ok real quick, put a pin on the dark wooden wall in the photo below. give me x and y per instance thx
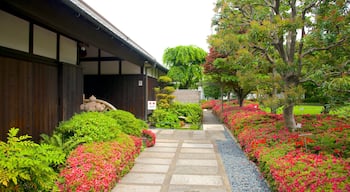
(35, 96)
(122, 91)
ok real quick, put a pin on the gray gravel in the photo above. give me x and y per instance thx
(243, 174)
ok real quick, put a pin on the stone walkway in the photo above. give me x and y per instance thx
(181, 161)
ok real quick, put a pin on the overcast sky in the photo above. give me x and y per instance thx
(158, 24)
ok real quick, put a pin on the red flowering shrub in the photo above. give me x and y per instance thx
(99, 166)
(300, 171)
(314, 158)
(208, 104)
(149, 136)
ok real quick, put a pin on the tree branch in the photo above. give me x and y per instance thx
(268, 57)
(323, 48)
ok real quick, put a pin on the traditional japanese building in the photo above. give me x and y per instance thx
(52, 52)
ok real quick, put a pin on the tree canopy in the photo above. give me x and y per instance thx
(185, 65)
(286, 43)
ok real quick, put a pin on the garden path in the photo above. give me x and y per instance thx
(181, 161)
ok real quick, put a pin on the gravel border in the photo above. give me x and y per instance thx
(243, 174)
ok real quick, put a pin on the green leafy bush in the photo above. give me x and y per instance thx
(164, 119)
(128, 122)
(27, 166)
(89, 127)
(191, 111)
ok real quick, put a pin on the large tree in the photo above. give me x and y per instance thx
(292, 37)
(227, 73)
(185, 65)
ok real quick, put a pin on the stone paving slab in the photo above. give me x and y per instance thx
(156, 155)
(196, 180)
(158, 144)
(197, 162)
(157, 161)
(143, 178)
(195, 188)
(196, 170)
(136, 188)
(199, 150)
(197, 145)
(197, 156)
(161, 149)
(146, 168)
(213, 127)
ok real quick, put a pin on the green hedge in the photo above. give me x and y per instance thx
(128, 122)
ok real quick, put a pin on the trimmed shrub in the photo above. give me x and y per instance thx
(27, 166)
(191, 112)
(164, 119)
(128, 122)
(99, 166)
(89, 127)
(150, 138)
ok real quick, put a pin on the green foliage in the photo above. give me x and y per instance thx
(27, 166)
(170, 117)
(163, 92)
(128, 122)
(162, 118)
(275, 39)
(89, 127)
(58, 141)
(191, 112)
(184, 63)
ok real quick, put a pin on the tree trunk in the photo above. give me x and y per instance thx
(273, 110)
(289, 119)
(240, 99)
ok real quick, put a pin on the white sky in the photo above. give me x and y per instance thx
(158, 24)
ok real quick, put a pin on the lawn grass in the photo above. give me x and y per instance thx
(342, 111)
(313, 109)
(300, 109)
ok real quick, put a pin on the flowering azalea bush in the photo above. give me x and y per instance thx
(98, 166)
(313, 158)
(149, 136)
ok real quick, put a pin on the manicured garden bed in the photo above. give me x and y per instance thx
(90, 152)
(316, 157)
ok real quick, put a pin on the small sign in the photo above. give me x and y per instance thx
(152, 105)
(299, 125)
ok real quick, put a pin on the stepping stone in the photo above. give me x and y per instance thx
(136, 188)
(142, 178)
(196, 170)
(156, 155)
(198, 150)
(158, 144)
(156, 161)
(145, 168)
(161, 149)
(196, 180)
(213, 127)
(197, 145)
(197, 162)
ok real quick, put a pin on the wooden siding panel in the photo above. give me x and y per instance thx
(72, 90)
(45, 98)
(15, 96)
(122, 91)
(29, 95)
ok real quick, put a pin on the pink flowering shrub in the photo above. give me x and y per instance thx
(313, 158)
(98, 166)
(150, 137)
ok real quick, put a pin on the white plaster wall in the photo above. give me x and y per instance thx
(68, 50)
(14, 32)
(110, 67)
(44, 42)
(130, 68)
(90, 68)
